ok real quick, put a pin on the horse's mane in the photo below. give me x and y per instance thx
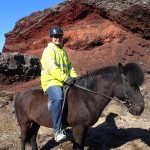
(89, 80)
(111, 73)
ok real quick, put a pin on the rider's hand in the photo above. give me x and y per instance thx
(70, 81)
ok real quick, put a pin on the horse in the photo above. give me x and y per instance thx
(84, 102)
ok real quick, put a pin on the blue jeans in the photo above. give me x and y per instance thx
(56, 95)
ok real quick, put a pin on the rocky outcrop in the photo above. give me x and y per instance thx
(103, 32)
(16, 67)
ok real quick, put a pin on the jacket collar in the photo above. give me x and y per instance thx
(53, 45)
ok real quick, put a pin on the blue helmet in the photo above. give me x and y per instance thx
(55, 30)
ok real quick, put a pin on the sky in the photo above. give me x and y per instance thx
(13, 10)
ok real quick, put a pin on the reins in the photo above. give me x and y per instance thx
(127, 102)
(81, 87)
(91, 91)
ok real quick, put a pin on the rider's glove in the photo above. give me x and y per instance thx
(70, 81)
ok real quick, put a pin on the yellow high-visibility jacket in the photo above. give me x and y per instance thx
(56, 67)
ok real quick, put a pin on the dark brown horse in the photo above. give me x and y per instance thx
(82, 108)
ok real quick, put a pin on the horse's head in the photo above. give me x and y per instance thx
(128, 91)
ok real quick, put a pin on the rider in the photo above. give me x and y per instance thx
(57, 70)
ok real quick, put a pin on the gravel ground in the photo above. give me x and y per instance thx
(116, 129)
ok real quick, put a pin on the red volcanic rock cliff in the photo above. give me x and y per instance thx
(97, 32)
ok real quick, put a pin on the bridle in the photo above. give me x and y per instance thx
(127, 93)
(130, 100)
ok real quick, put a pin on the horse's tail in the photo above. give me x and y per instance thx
(31, 129)
(15, 97)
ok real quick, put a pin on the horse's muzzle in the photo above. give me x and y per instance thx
(136, 109)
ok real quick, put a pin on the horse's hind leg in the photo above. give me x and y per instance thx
(24, 132)
(33, 134)
(79, 135)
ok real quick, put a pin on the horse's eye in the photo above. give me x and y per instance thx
(134, 86)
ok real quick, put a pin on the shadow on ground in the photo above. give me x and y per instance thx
(107, 136)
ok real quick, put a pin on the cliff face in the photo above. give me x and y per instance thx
(97, 33)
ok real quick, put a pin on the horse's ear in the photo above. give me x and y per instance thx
(122, 69)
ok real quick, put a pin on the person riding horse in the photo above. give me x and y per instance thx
(57, 70)
(83, 107)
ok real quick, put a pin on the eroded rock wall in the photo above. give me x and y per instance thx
(104, 32)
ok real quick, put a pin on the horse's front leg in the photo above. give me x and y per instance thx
(79, 135)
